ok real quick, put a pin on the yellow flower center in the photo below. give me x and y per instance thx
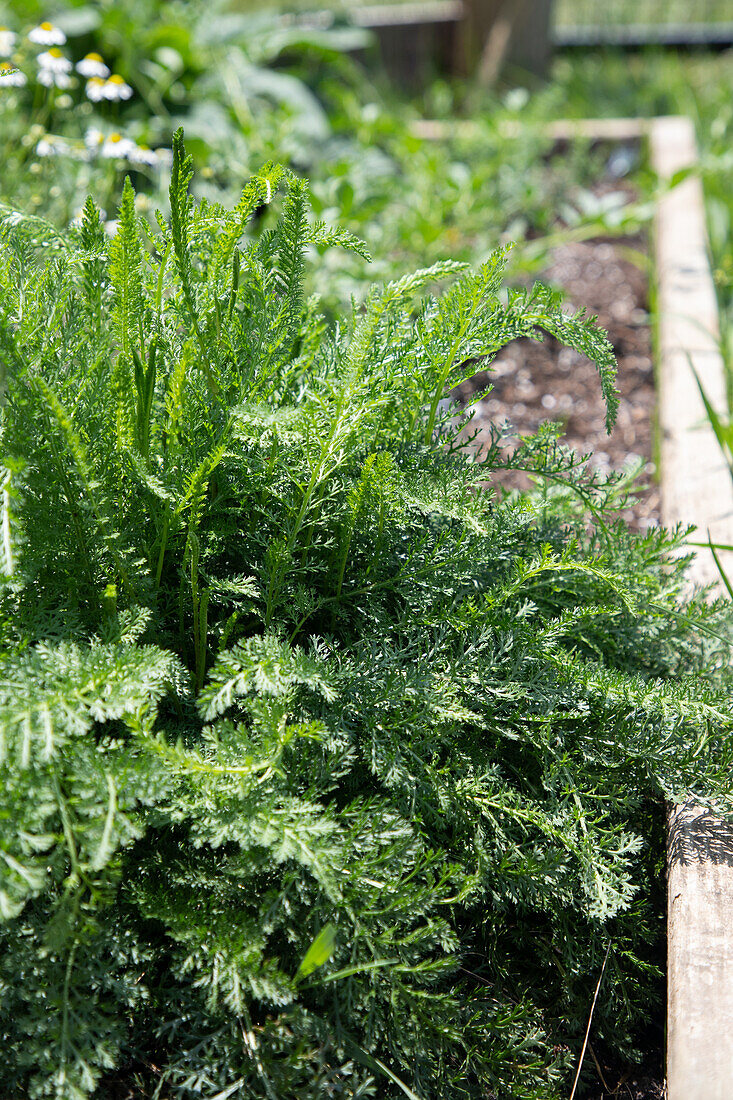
(46, 26)
(55, 52)
(96, 80)
(114, 138)
(5, 67)
(116, 79)
(93, 57)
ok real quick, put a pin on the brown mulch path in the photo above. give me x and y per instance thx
(534, 382)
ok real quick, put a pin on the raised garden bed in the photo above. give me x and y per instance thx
(529, 681)
(693, 487)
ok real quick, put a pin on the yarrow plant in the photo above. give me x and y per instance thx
(324, 770)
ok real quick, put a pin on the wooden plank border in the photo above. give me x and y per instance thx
(564, 129)
(696, 488)
(378, 16)
(696, 482)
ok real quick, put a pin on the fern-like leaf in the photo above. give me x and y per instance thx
(126, 264)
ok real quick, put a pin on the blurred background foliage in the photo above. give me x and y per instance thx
(251, 84)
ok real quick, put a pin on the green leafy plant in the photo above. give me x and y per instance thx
(246, 83)
(325, 771)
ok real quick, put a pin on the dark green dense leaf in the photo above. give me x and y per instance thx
(325, 770)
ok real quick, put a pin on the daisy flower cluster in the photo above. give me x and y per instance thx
(112, 87)
(40, 57)
(98, 145)
(116, 146)
(10, 75)
(55, 69)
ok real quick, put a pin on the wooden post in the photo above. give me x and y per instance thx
(414, 39)
(497, 31)
(473, 32)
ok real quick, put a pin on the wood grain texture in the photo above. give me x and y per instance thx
(700, 956)
(562, 129)
(696, 482)
(696, 488)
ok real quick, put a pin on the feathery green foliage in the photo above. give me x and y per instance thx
(325, 771)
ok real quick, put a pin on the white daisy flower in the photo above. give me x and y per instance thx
(93, 139)
(55, 61)
(11, 77)
(51, 146)
(144, 156)
(51, 79)
(118, 147)
(46, 34)
(116, 88)
(7, 42)
(95, 89)
(92, 65)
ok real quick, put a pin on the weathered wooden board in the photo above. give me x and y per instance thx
(564, 129)
(696, 482)
(700, 956)
(696, 488)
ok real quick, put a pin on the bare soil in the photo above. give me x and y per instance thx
(534, 382)
(641, 1084)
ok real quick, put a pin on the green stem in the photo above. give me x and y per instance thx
(65, 1042)
(303, 510)
(161, 273)
(342, 566)
(445, 373)
(161, 554)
